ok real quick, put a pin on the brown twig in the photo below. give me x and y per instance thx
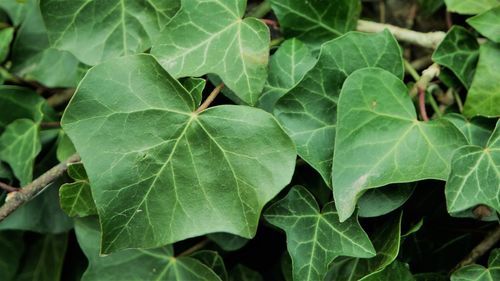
(421, 104)
(194, 248)
(7, 187)
(484, 246)
(210, 98)
(272, 23)
(60, 97)
(50, 125)
(18, 198)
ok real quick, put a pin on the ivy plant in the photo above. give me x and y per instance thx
(230, 140)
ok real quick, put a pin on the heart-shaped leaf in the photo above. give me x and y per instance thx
(475, 176)
(155, 162)
(308, 111)
(488, 23)
(315, 238)
(127, 26)
(380, 141)
(211, 37)
(476, 272)
(76, 197)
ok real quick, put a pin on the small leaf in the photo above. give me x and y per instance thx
(127, 26)
(243, 273)
(228, 242)
(377, 123)
(459, 52)
(470, 7)
(76, 198)
(308, 111)
(314, 238)
(19, 146)
(475, 176)
(159, 172)
(476, 272)
(476, 130)
(286, 68)
(6, 36)
(135, 264)
(484, 95)
(16, 103)
(16, 9)
(195, 88)
(214, 261)
(65, 147)
(235, 49)
(315, 22)
(397, 271)
(380, 201)
(488, 23)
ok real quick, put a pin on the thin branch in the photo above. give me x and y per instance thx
(427, 40)
(50, 125)
(60, 98)
(484, 246)
(421, 104)
(210, 98)
(411, 70)
(425, 79)
(7, 187)
(18, 198)
(194, 248)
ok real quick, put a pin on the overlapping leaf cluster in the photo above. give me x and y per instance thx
(320, 135)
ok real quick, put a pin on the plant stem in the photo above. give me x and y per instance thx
(50, 125)
(435, 106)
(17, 198)
(425, 79)
(427, 40)
(7, 187)
(260, 10)
(210, 98)
(60, 97)
(458, 100)
(194, 248)
(411, 70)
(276, 42)
(421, 104)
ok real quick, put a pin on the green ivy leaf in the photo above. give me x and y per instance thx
(16, 103)
(475, 176)
(308, 112)
(488, 23)
(195, 88)
(397, 271)
(135, 264)
(76, 198)
(476, 131)
(315, 22)
(12, 245)
(484, 95)
(315, 238)
(235, 49)
(470, 7)
(286, 68)
(155, 163)
(228, 242)
(16, 9)
(6, 36)
(44, 258)
(386, 241)
(243, 273)
(377, 123)
(19, 146)
(476, 272)
(459, 52)
(128, 26)
(65, 147)
(381, 201)
(214, 261)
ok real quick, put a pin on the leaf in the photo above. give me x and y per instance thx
(44, 258)
(315, 22)
(76, 198)
(16, 9)
(195, 88)
(243, 273)
(308, 112)
(286, 68)
(470, 7)
(128, 26)
(476, 272)
(12, 245)
(6, 36)
(159, 172)
(475, 176)
(381, 201)
(459, 52)
(477, 131)
(65, 147)
(19, 146)
(33, 59)
(228, 242)
(488, 24)
(235, 49)
(397, 271)
(484, 95)
(378, 124)
(16, 103)
(386, 241)
(135, 264)
(214, 261)
(314, 238)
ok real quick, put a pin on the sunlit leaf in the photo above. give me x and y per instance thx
(470, 7)
(488, 23)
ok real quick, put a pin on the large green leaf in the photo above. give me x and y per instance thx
(76, 197)
(19, 146)
(475, 176)
(286, 68)
(16, 103)
(125, 26)
(458, 51)
(484, 95)
(476, 272)
(378, 136)
(315, 238)
(136, 264)
(488, 23)
(211, 37)
(155, 162)
(470, 7)
(11, 250)
(397, 271)
(386, 241)
(316, 21)
(308, 111)
(44, 259)
(476, 130)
